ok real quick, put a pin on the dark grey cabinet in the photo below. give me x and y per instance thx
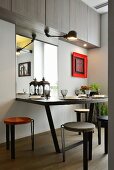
(6, 4)
(78, 18)
(30, 9)
(57, 14)
(93, 27)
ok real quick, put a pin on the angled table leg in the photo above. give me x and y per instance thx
(52, 128)
(91, 112)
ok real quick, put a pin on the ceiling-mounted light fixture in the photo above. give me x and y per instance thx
(85, 45)
(72, 35)
(23, 48)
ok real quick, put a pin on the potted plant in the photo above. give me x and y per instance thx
(102, 109)
(95, 88)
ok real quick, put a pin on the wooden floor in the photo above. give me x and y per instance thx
(45, 158)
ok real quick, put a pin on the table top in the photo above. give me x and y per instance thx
(60, 100)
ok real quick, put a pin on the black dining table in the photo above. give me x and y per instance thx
(60, 101)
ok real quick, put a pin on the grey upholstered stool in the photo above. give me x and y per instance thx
(79, 112)
(87, 130)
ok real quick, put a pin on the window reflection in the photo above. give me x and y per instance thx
(43, 61)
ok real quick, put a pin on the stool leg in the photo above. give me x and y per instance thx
(63, 142)
(12, 141)
(78, 120)
(106, 138)
(7, 137)
(85, 151)
(90, 134)
(32, 133)
(99, 132)
(86, 117)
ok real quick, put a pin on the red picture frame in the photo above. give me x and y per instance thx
(79, 65)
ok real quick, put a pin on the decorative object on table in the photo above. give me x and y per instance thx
(24, 69)
(79, 65)
(33, 85)
(85, 89)
(40, 87)
(95, 88)
(47, 94)
(64, 92)
(87, 92)
(45, 85)
(103, 109)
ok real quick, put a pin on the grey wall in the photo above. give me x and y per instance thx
(7, 71)
(10, 107)
(98, 59)
(66, 81)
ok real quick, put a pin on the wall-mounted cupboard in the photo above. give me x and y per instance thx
(93, 27)
(66, 15)
(78, 18)
(61, 15)
(57, 14)
(6, 4)
(30, 9)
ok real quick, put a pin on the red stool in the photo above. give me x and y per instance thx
(10, 131)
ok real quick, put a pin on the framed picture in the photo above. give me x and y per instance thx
(24, 69)
(79, 65)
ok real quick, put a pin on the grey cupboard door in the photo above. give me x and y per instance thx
(93, 27)
(30, 9)
(57, 14)
(6, 4)
(65, 20)
(78, 18)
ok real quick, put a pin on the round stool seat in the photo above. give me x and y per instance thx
(79, 126)
(81, 110)
(17, 120)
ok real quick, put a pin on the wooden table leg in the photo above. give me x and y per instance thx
(52, 128)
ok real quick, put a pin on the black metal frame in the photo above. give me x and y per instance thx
(48, 103)
(52, 128)
(10, 133)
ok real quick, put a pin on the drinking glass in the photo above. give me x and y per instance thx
(87, 92)
(64, 93)
(77, 92)
(47, 94)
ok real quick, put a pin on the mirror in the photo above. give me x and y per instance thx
(37, 60)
